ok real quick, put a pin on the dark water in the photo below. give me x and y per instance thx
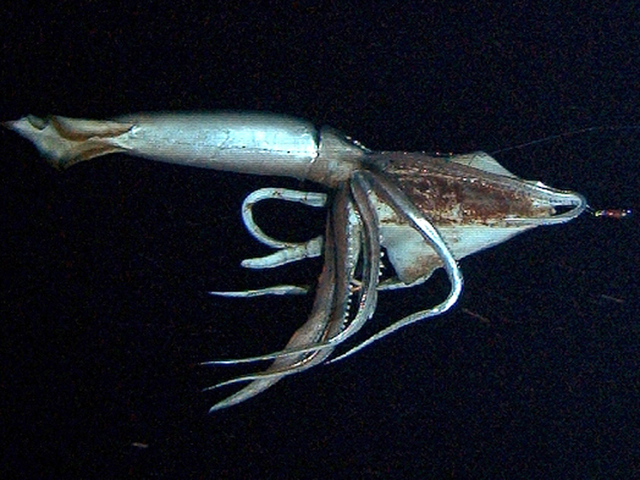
(104, 267)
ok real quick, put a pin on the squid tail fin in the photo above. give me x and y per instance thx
(66, 141)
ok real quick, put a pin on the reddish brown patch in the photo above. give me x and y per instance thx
(450, 193)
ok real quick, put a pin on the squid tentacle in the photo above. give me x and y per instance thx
(314, 328)
(368, 296)
(310, 199)
(319, 324)
(406, 210)
(288, 252)
(274, 290)
(346, 253)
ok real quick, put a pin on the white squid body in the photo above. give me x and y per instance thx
(426, 212)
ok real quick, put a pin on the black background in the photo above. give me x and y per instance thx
(535, 374)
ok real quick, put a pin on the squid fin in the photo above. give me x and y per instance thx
(482, 161)
(66, 141)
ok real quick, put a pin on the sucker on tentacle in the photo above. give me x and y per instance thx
(425, 212)
(322, 323)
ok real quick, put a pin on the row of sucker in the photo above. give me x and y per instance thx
(352, 220)
(394, 197)
(317, 325)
